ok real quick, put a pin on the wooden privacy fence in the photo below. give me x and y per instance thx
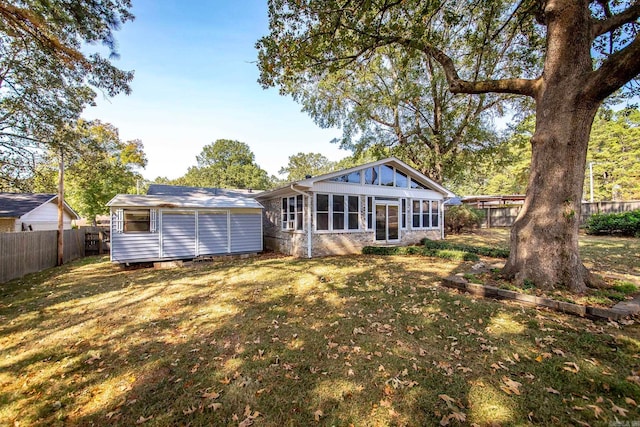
(504, 216)
(28, 252)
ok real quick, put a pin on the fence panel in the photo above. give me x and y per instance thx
(504, 216)
(27, 252)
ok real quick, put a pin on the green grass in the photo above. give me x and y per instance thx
(363, 340)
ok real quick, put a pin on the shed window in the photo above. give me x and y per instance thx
(292, 211)
(137, 220)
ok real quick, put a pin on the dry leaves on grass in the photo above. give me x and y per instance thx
(510, 386)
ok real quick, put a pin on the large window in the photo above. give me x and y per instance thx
(424, 214)
(292, 211)
(337, 212)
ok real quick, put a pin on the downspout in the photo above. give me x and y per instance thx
(308, 217)
(442, 208)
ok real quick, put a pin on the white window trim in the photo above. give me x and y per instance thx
(421, 214)
(296, 213)
(345, 213)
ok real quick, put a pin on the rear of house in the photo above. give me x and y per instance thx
(161, 227)
(379, 203)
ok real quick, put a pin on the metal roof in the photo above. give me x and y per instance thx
(179, 190)
(220, 201)
(15, 205)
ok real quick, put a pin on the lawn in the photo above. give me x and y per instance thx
(275, 341)
(618, 256)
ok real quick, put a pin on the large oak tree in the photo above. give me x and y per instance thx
(590, 50)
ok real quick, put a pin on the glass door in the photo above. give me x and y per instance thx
(387, 223)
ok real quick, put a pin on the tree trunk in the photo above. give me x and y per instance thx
(544, 237)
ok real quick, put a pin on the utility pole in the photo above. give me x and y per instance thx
(61, 208)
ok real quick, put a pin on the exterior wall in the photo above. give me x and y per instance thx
(7, 225)
(329, 242)
(186, 234)
(278, 240)
(44, 217)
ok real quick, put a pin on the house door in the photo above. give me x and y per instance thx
(387, 223)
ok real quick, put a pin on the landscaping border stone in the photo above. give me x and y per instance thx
(619, 311)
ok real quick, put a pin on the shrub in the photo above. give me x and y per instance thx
(479, 250)
(623, 223)
(450, 254)
(459, 218)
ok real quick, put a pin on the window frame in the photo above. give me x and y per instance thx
(344, 214)
(426, 211)
(292, 212)
(124, 220)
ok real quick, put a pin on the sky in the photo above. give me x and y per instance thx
(196, 82)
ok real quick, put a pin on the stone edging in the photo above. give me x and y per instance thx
(618, 312)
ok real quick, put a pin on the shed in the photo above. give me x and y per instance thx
(158, 227)
(32, 212)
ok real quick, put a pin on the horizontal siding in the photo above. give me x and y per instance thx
(213, 233)
(246, 233)
(178, 235)
(132, 247)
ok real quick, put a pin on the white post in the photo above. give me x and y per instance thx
(591, 181)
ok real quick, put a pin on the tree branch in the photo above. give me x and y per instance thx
(616, 71)
(600, 27)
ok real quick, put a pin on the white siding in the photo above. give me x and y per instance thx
(44, 217)
(246, 232)
(213, 233)
(134, 247)
(178, 233)
(375, 190)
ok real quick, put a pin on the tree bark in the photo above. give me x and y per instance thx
(544, 237)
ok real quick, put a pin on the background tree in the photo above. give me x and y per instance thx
(302, 164)
(99, 167)
(590, 50)
(226, 164)
(399, 102)
(46, 79)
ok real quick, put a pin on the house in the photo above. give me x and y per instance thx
(172, 222)
(378, 203)
(32, 212)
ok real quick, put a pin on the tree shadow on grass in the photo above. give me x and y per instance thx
(362, 340)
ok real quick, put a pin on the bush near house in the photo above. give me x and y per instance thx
(624, 223)
(450, 254)
(491, 252)
(459, 218)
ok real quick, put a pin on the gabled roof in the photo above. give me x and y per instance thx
(15, 205)
(221, 201)
(179, 190)
(393, 161)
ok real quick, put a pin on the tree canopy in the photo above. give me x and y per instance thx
(46, 78)
(100, 166)
(564, 56)
(302, 164)
(226, 164)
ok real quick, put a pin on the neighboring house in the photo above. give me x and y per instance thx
(484, 201)
(378, 203)
(32, 212)
(173, 222)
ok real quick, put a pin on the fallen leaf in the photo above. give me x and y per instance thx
(225, 381)
(317, 415)
(630, 401)
(143, 420)
(618, 410)
(596, 410)
(559, 352)
(511, 386)
(551, 390)
(215, 406)
(190, 410)
(212, 395)
(571, 367)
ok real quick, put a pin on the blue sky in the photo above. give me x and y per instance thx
(196, 82)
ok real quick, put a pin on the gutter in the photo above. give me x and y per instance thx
(309, 243)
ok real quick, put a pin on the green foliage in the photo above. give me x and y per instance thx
(49, 74)
(462, 217)
(451, 254)
(226, 164)
(624, 223)
(492, 252)
(302, 164)
(625, 287)
(100, 167)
